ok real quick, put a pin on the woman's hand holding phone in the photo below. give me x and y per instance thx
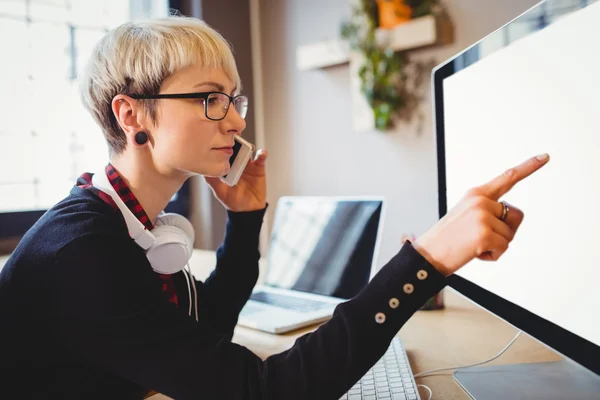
(244, 188)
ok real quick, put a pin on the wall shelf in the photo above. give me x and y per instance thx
(419, 32)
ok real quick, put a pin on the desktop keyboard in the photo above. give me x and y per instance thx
(289, 302)
(391, 378)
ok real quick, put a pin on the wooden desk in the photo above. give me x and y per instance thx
(460, 334)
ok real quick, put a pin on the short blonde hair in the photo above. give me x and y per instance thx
(136, 58)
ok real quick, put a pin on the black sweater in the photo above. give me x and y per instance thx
(82, 315)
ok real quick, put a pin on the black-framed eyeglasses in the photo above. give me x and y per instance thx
(216, 104)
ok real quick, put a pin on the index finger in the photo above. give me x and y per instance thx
(501, 184)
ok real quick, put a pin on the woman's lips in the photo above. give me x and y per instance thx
(226, 150)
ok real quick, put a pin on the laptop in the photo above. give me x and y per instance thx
(322, 252)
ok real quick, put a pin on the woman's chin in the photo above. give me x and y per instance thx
(214, 170)
(217, 172)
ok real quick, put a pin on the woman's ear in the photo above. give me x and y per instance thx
(128, 113)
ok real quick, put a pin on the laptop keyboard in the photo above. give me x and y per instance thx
(289, 302)
(390, 378)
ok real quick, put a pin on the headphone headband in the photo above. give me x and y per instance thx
(138, 232)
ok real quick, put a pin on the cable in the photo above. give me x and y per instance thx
(187, 281)
(425, 373)
(429, 390)
(195, 294)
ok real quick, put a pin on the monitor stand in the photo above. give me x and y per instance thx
(559, 380)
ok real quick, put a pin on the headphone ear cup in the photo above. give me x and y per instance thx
(181, 223)
(170, 252)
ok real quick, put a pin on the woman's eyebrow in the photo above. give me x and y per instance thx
(218, 86)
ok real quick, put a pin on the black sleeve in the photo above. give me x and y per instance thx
(227, 289)
(108, 308)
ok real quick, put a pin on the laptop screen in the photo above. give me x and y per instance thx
(323, 245)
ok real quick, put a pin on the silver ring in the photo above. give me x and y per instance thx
(505, 210)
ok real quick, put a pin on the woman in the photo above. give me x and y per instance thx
(90, 318)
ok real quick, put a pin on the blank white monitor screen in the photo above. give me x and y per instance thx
(539, 94)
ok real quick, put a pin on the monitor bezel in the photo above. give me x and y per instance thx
(554, 336)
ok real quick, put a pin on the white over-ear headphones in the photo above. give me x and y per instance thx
(169, 246)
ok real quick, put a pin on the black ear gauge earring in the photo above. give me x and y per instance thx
(141, 138)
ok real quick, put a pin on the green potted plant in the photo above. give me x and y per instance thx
(384, 73)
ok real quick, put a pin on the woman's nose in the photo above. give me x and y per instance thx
(233, 121)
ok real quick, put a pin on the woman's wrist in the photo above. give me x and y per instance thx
(421, 249)
(249, 209)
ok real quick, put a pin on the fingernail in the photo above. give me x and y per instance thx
(543, 157)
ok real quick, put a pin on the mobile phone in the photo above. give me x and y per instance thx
(242, 152)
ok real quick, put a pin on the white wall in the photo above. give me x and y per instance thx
(307, 116)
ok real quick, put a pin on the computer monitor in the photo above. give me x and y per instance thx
(530, 87)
